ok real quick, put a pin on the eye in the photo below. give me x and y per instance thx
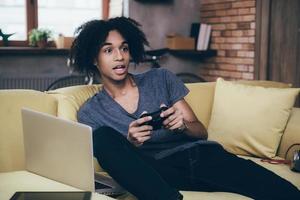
(108, 50)
(125, 49)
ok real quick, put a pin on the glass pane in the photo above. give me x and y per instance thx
(64, 16)
(13, 18)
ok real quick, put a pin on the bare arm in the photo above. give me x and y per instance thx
(181, 116)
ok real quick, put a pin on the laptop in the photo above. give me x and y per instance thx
(62, 150)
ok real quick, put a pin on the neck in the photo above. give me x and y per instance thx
(119, 88)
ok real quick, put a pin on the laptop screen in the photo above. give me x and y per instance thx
(58, 149)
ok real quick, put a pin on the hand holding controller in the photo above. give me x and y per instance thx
(157, 121)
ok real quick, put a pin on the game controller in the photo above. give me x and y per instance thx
(156, 122)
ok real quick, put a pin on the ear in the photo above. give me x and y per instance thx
(95, 62)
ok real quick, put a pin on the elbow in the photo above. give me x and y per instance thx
(202, 135)
(205, 135)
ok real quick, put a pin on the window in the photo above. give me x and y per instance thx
(67, 15)
(10, 22)
(60, 16)
(116, 8)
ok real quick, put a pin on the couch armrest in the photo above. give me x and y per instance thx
(291, 134)
(11, 132)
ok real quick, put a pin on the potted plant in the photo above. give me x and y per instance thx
(39, 37)
(5, 37)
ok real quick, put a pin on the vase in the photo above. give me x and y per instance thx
(42, 44)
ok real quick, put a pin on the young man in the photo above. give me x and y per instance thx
(155, 164)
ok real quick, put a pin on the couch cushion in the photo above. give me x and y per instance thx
(291, 135)
(11, 135)
(282, 170)
(250, 120)
(279, 169)
(70, 99)
(200, 98)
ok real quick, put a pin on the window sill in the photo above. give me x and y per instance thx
(32, 51)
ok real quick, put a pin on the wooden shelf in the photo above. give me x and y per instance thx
(32, 51)
(192, 54)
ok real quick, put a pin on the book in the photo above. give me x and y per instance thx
(194, 32)
(201, 37)
(207, 37)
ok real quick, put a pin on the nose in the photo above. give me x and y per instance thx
(118, 55)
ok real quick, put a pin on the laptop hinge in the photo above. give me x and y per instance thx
(113, 188)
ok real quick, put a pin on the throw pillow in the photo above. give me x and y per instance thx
(250, 120)
(70, 99)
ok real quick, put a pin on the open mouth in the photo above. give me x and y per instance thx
(120, 69)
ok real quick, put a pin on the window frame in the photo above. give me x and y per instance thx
(31, 7)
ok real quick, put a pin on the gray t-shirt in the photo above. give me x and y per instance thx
(156, 87)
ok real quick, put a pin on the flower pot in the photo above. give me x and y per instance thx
(42, 44)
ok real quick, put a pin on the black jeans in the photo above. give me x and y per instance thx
(199, 168)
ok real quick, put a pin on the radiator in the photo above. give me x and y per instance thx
(40, 83)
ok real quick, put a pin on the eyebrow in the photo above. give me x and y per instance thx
(108, 43)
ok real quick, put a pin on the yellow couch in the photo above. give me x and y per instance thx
(65, 102)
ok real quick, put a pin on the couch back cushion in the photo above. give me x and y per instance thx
(291, 135)
(200, 99)
(201, 96)
(250, 120)
(11, 134)
(70, 99)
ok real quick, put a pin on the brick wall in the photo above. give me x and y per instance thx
(233, 36)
